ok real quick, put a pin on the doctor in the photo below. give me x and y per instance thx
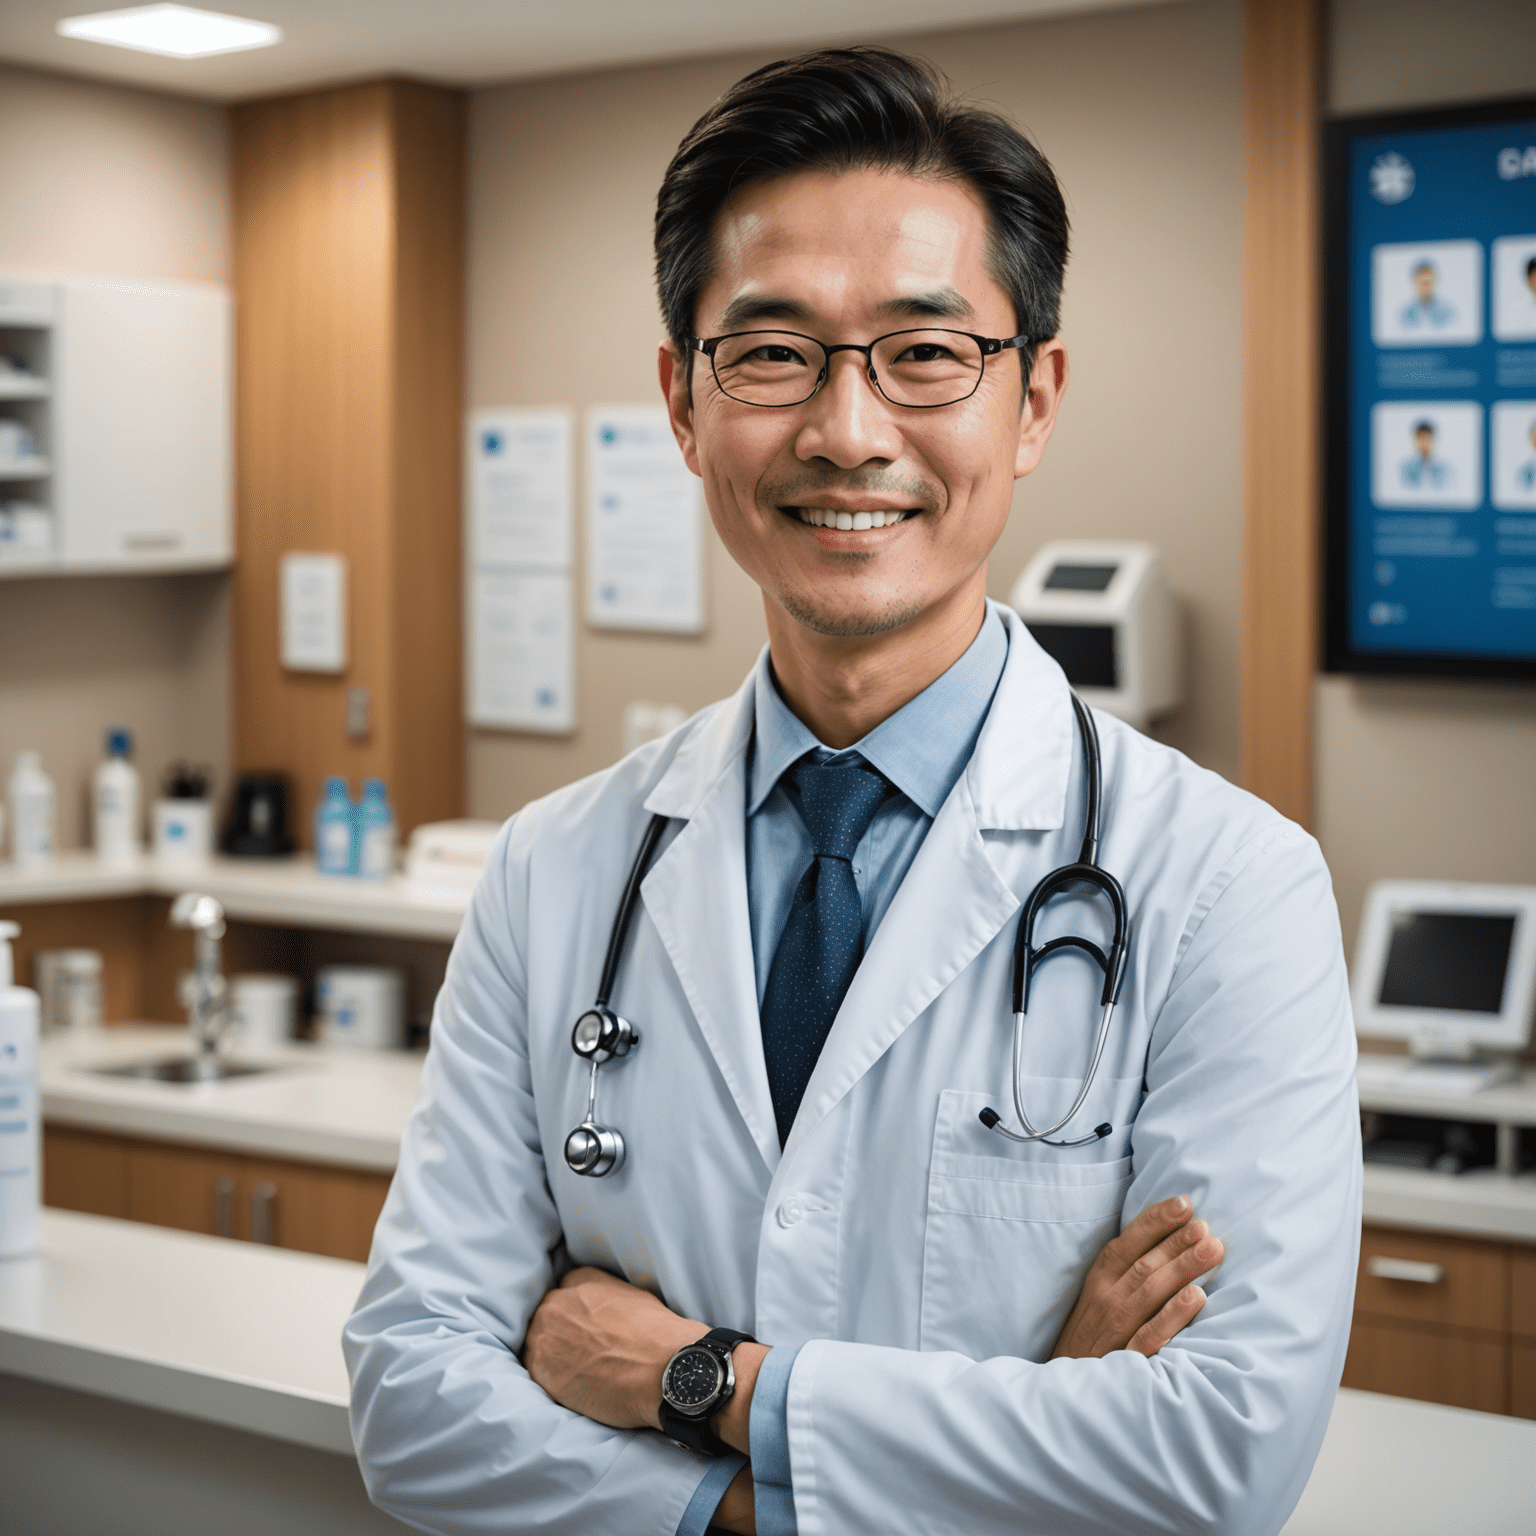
(949, 1330)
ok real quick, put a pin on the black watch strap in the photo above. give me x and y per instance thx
(695, 1433)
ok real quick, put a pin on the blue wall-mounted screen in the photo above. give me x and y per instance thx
(1429, 349)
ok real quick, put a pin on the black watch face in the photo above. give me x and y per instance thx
(693, 1379)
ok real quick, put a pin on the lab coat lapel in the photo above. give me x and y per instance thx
(959, 892)
(696, 895)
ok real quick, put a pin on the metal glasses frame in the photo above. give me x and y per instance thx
(990, 346)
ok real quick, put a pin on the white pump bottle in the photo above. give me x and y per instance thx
(20, 1138)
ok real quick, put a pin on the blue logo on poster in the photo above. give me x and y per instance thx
(610, 435)
(609, 594)
(610, 503)
(545, 698)
(490, 442)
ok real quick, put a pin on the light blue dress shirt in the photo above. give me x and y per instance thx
(922, 749)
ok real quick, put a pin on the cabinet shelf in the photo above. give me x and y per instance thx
(25, 469)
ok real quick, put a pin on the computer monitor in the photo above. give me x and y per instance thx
(1448, 967)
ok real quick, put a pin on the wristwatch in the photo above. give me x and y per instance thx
(697, 1383)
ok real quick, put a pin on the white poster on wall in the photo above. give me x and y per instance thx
(519, 517)
(645, 524)
(522, 665)
(520, 488)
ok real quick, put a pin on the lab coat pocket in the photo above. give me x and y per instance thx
(1009, 1238)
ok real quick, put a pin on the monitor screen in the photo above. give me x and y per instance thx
(1452, 960)
(1080, 578)
(1085, 652)
(1429, 343)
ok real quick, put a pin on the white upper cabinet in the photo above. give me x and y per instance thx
(142, 471)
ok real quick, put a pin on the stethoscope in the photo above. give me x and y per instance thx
(600, 1035)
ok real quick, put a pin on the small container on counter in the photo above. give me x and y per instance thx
(377, 833)
(69, 984)
(336, 830)
(20, 1136)
(361, 1007)
(183, 817)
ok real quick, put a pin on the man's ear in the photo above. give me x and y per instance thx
(1042, 400)
(673, 371)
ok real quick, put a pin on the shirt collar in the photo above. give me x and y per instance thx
(922, 749)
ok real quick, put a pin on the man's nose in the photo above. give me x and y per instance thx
(848, 421)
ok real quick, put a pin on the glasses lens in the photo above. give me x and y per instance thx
(769, 367)
(928, 367)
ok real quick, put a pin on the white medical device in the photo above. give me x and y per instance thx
(1451, 969)
(1102, 608)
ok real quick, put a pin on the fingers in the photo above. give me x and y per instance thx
(1144, 1232)
(1175, 1315)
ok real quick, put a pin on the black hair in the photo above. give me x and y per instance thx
(844, 109)
(1424, 266)
(1423, 426)
(1530, 267)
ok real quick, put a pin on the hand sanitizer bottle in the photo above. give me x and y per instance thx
(334, 821)
(20, 1139)
(31, 796)
(377, 832)
(117, 799)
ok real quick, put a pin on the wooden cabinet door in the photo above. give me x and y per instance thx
(1522, 1378)
(1424, 1277)
(84, 1172)
(190, 1188)
(1435, 1365)
(318, 1210)
(1522, 1292)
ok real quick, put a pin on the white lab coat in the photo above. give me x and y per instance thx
(923, 1265)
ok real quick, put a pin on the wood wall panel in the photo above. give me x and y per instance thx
(1281, 96)
(348, 261)
(1458, 1366)
(118, 927)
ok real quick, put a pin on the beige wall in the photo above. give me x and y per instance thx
(1432, 780)
(100, 179)
(1140, 113)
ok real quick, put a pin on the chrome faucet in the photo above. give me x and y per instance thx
(204, 993)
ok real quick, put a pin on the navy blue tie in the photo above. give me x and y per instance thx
(823, 938)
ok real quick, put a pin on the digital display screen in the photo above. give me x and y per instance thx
(1430, 349)
(1451, 960)
(1080, 578)
(1085, 652)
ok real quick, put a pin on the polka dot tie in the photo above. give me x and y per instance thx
(823, 938)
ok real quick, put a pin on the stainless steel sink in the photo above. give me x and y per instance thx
(185, 1069)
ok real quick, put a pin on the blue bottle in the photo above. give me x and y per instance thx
(376, 832)
(335, 839)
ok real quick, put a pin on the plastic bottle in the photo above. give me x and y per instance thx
(335, 840)
(377, 832)
(32, 801)
(117, 800)
(20, 1139)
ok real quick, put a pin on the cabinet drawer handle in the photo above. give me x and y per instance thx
(264, 1212)
(224, 1208)
(1404, 1269)
(146, 543)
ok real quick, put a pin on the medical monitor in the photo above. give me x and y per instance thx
(1450, 968)
(1429, 376)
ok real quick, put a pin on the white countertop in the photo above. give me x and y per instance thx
(1481, 1203)
(235, 1333)
(288, 892)
(1391, 1467)
(250, 1337)
(319, 1105)
(1386, 1087)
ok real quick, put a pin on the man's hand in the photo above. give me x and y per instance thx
(1140, 1291)
(598, 1346)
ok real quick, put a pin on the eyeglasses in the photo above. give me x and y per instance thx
(919, 369)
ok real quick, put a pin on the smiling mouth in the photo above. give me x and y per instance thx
(855, 522)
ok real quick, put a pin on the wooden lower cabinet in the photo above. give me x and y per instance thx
(313, 1207)
(1445, 1320)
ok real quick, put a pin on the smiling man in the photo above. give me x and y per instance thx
(749, 1246)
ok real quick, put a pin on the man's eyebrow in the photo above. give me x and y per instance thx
(747, 307)
(941, 304)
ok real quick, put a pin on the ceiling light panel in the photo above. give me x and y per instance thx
(176, 31)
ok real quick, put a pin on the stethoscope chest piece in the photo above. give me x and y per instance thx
(600, 1034)
(593, 1150)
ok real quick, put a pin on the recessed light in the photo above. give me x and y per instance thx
(178, 31)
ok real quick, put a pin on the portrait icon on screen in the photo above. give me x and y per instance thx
(1427, 453)
(1514, 288)
(1422, 469)
(1514, 454)
(1428, 291)
(1428, 311)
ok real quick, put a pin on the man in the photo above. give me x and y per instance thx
(1424, 472)
(1427, 309)
(860, 281)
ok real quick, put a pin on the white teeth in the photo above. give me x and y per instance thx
(854, 522)
(861, 521)
(845, 522)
